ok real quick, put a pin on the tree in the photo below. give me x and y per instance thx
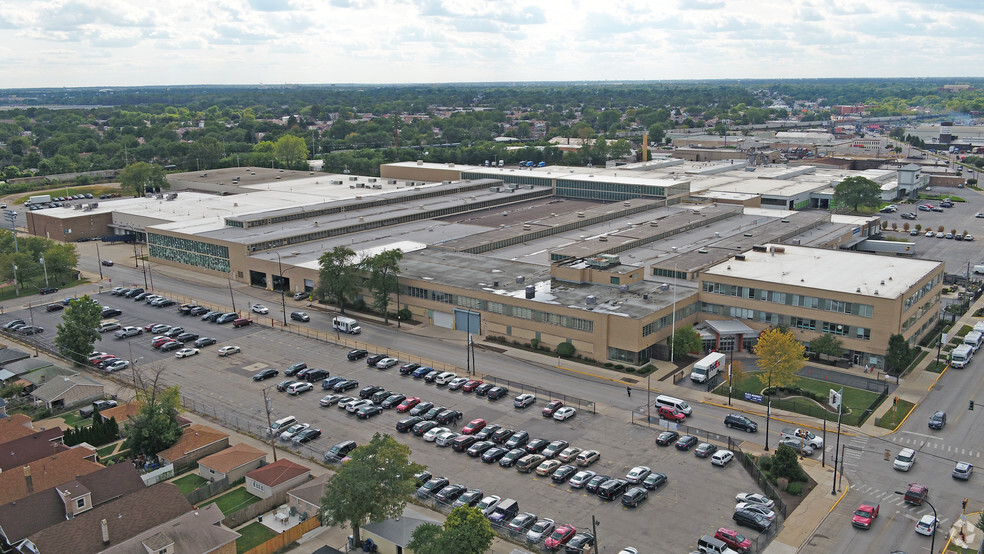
(206, 152)
(141, 176)
(337, 279)
(780, 357)
(899, 354)
(383, 269)
(738, 374)
(785, 463)
(857, 192)
(290, 149)
(685, 341)
(155, 427)
(466, 531)
(78, 330)
(373, 486)
(826, 344)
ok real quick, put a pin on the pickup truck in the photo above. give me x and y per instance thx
(865, 514)
(128, 332)
(810, 438)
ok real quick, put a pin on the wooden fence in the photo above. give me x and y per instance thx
(239, 517)
(285, 538)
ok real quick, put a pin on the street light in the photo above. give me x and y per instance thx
(936, 522)
(11, 216)
(16, 285)
(45, 266)
(283, 301)
(768, 409)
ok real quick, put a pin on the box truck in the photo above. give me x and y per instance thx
(961, 355)
(706, 368)
(39, 199)
(346, 325)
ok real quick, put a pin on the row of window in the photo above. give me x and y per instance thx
(930, 304)
(516, 178)
(923, 290)
(789, 299)
(861, 333)
(667, 320)
(188, 245)
(190, 258)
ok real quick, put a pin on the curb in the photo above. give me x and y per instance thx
(774, 418)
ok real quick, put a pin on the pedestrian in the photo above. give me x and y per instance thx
(628, 390)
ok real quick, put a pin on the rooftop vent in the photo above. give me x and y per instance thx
(591, 300)
(530, 291)
(520, 279)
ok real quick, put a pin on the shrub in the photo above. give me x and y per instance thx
(765, 463)
(565, 349)
(608, 364)
(619, 366)
(795, 489)
(630, 369)
(535, 343)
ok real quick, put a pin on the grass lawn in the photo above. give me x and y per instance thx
(73, 419)
(253, 535)
(855, 400)
(107, 450)
(236, 499)
(896, 414)
(189, 482)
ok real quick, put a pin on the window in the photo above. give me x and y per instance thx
(80, 503)
(258, 486)
(615, 280)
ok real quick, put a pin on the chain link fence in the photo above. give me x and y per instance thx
(519, 388)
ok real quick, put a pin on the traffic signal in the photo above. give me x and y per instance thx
(971, 405)
(964, 503)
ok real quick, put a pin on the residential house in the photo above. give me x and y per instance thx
(112, 523)
(35, 446)
(197, 442)
(232, 463)
(15, 427)
(47, 472)
(24, 517)
(64, 392)
(276, 478)
(3, 404)
(197, 531)
(122, 413)
(392, 535)
(306, 498)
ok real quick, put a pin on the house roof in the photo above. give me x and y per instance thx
(122, 412)
(15, 427)
(278, 472)
(11, 355)
(196, 531)
(59, 386)
(399, 530)
(42, 375)
(46, 473)
(311, 491)
(43, 509)
(125, 517)
(31, 447)
(229, 459)
(194, 438)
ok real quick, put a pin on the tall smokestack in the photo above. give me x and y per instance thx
(645, 147)
(28, 479)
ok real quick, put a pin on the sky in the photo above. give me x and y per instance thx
(69, 43)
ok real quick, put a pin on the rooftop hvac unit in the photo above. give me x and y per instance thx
(529, 187)
(451, 164)
(372, 179)
(759, 248)
(520, 279)
(664, 286)
(77, 207)
(580, 214)
(353, 178)
(530, 291)
(391, 181)
(495, 284)
(627, 204)
(360, 185)
(445, 182)
(654, 224)
(623, 288)
(420, 162)
(94, 205)
(603, 238)
(590, 300)
(740, 257)
(377, 186)
(493, 189)
(362, 219)
(526, 227)
(335, 182)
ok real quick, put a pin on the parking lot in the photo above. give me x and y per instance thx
(959, 220)
(222, 387)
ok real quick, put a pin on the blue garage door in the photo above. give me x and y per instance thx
(468, 321)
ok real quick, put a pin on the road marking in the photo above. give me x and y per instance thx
(922, 435)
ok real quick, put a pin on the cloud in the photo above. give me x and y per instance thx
(701, 4)
(270, 5)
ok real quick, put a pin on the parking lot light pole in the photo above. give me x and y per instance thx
(283, 301)
(16, 285)
(768, 409)
(936, 522)
(45, 266)
(266, 408)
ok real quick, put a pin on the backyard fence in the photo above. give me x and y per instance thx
(283, 539)
(208, 490)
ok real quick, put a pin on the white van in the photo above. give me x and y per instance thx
(445, 378)
(961, 355)
(670, 402)
(281, 425)
(974, 339)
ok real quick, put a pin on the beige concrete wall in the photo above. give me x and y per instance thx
(420, 173)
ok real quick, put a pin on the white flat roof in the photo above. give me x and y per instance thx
(829, 270)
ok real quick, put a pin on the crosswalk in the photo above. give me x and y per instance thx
(889, 498)
(923, 443)
(852, 453)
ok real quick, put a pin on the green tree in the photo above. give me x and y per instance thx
(785, 463)
(337, 278)
(373, 486)
(141, 176)
(78, 329)
(466, 531)
(290, 149)
(685, 341)
(780, 357)
(383, 269)
(155, 427)
(899, 354)
(857, 192)
(827, 344)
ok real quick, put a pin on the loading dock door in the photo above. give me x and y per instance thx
(443, 319)
(470, 322)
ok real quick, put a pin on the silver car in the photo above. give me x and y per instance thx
(541, 530)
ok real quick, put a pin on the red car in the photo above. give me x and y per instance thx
(560, 537)
(150, 326)
(408, 404)
(473, 427)
(161, 341)
(103, 358)
(733, 539)
(674, 414)
(470, 386)
(551, 408)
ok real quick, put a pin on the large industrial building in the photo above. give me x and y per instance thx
(608, 260)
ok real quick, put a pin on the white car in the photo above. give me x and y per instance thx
(488, 504)
(445, 439)
(524, 400)
(456, 384)
(185, 352)
(293, 430)
(564, 413)
(118, 365)
(926, 525)
(298, 388)
(260, 309)
(905, 459)
(353, 406)
(431, 436)
(722, 457)
(344, 401)
(228, 350)
(755, 498)
(756, 509)
(637, 474)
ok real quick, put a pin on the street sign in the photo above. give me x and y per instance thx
(753, 397)
(834, 399)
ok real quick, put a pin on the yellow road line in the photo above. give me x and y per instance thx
(846, 489)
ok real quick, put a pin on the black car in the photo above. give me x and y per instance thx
(496, 393)
(448, 416)
(107, 263)
(374, 359)
(330, 382)
(750, 519)
(366, 412)
(479, 448)
(369, 390)
(420, 428)
(204, 341)
(307, 435)
(379, 396)
(294, 368)
(406, 424)
(612, 489)
(654, 480)
(198, 310)
(581, 542)
(487, 431)
(134, 292)
(450, 493)
(739, 421)
(423, 477)
(432, 376)
(315, 375)
(185, 337)
(407, 369)
(47, 290)
(266, 374)
(357, 354)
(596, 482)
(502, 435)
(433, 486)
(164, 303)
(211, 316)
(282, 386)
(463, 443)
(421, 409)
(937, 420)
(347, 384)
(634, 496)
(517, 440)
(511, 457)
(340, 450)
(494, 454)
(563, 473)
(173, 332)
(11, 324)
(169, 346)
(686, 442)
(432, 413)
(110, 312)
(54, 307)
(392, 401)
(483, 389)
(536, 446)
(300, 316)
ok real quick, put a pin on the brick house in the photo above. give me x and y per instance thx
(233, 462)
(64, 392)
(61, 467)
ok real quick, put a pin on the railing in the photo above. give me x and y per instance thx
(518, 388)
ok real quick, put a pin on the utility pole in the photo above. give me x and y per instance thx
(594, 531)
(273, 440)
(840, 410)
(229, 279)
(99, 259)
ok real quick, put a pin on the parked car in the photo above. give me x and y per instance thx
(204, 341)
(186, 352)
(524, 400)
(228, 350)
(265, 374)
(300, 316)
(739, 421)
(635, 496)
(564, 413)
